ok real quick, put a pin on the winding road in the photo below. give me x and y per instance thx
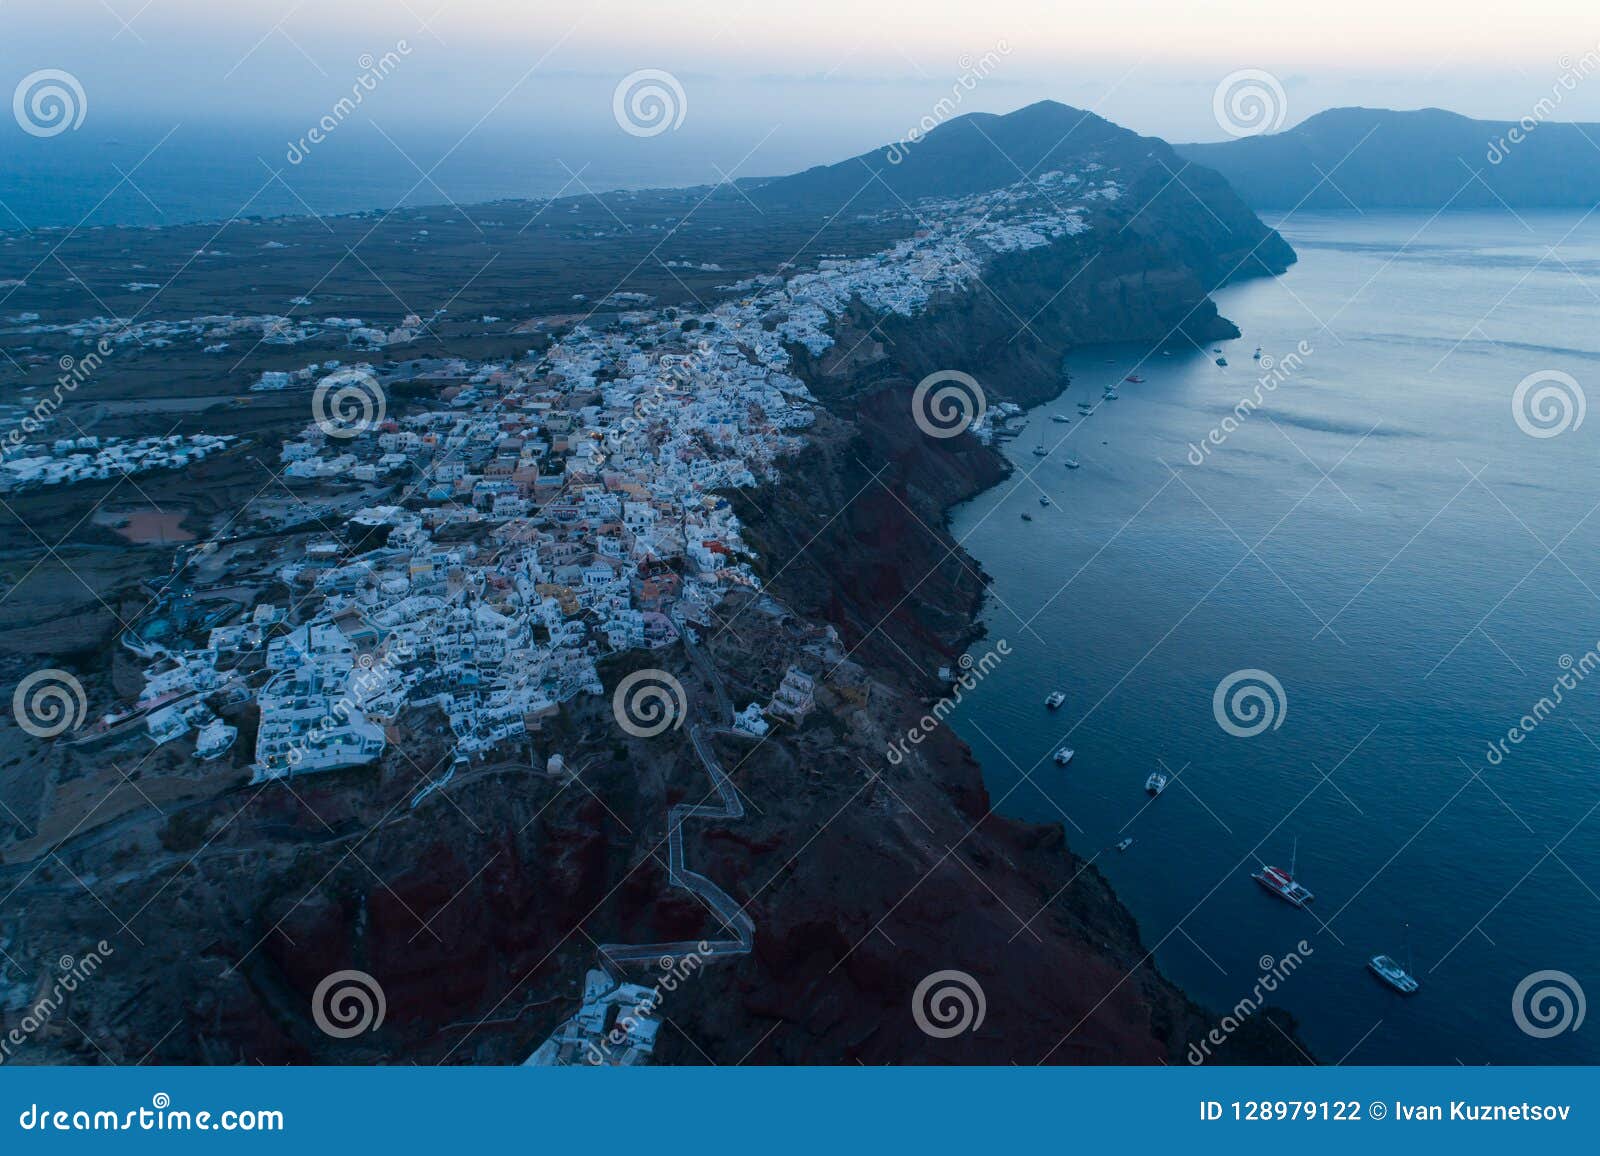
(714, 897)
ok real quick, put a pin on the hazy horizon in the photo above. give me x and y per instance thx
(470, 100)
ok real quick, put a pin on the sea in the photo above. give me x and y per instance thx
(1376, 530)
(1345, 597)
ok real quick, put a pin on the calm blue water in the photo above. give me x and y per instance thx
(1414, 605)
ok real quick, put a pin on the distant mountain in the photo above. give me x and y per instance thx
(1166, 202)
(1423, 159)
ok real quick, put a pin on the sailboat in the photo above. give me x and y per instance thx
(1391, 973)
(1282, 883)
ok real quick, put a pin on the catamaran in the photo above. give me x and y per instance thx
(1064, 756)
(1282, 884)
(1391, 973)
(1054, 699)
(1156, 783)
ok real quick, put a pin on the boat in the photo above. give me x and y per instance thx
(1054, 699)
(1027, 517)
(1040, 452)
(1061, 419)
(1223, 361)
(1256, 356)
(1156, 783)
(1086, 406)
(1072, 463)
(1393, 974)
(1112, 395)
(1282, 883)
(1064, 756)
(1124, 844)
(1135, 378)
(1043, 501)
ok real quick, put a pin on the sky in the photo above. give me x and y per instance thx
(756, 87)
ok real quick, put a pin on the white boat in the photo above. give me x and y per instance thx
(1040, 452)
(1061, 419)
(1054, 699)
(1124, 844)
(1064, 756)
(1072, 463)
(1156, 783)
(1112, 395)
(1043, 501)
(1393, 974)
